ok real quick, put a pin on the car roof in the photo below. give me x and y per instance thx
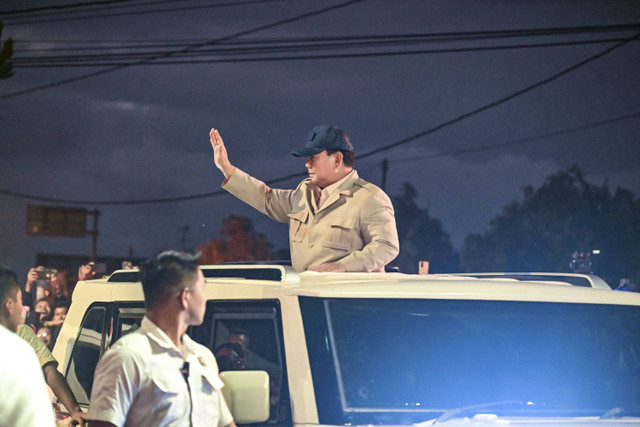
(576, 279)
(241, 281)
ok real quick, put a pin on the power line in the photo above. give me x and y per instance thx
(436, 37)
(184, 50)
(446, 37)
(31, 21)
(62, 6)
(301, 174)
(519, 140)
(368, 154)
(264, 50)
(502, 100)
(193, 58)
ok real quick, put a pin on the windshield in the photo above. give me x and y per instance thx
(404, 361)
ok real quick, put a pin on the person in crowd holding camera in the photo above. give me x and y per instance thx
(337, 221)
(38, 286)
(46, 283)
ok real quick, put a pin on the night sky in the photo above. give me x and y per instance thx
(465, 105)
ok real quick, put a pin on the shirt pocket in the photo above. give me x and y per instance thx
(171, 394)
(297, 225)
(340, 234)
(210, 382)
(208, 398)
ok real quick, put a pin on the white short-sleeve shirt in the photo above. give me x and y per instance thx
(24, 399)
(139, 382)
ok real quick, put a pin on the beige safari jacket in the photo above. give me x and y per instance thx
(355, 226)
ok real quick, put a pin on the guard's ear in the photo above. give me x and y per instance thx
(8, 306)
(183, 298)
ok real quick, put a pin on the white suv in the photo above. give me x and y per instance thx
(394, 349)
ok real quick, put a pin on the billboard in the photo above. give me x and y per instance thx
(56, 221)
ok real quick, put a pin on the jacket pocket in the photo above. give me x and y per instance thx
(340, 234)
(297, 225)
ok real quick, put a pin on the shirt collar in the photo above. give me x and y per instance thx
(330, 189)
(162, 339)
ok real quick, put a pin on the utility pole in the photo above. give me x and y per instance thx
(94, 234)
(385, 169)
(183, 236)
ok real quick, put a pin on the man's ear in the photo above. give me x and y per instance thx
(338, 158)
(183, 298)
(8, 306)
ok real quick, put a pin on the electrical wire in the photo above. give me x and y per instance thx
(191, 58)
(368, 40)
(302, 174)
(368, 154)
(517, 141)
(436, 37)
(186, 49)
(504, 99)
(31, 21)
(61, 7)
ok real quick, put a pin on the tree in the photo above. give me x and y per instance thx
(6, 66)
(421, 237)
(238, 242)
(566, 214)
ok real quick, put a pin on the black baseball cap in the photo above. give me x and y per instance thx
(323, 137)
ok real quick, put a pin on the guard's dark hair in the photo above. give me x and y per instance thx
(164, 275)
(8, 284)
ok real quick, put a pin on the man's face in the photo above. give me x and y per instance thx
(197, 300)
(45, 336)
(241, 339)
(43, 307)
(322, 169)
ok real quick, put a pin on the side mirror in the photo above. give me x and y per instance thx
(247, 395)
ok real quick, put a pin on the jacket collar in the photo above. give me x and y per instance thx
(343, 189)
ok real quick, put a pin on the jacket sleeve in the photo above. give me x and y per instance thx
(272, 202)
(379, 232)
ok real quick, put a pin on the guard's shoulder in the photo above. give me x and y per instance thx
(132, 342)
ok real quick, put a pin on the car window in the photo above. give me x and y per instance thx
(86, 353)
(103, 323)
(127, 317)
(247, 335)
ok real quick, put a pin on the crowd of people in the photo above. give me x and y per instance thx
(46, 299)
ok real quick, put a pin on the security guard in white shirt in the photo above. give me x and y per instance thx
(156, 375)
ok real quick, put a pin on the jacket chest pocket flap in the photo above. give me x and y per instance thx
(297, 225)
(340, 234)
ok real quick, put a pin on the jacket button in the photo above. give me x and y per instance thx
(315, 221)
(310, 245)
